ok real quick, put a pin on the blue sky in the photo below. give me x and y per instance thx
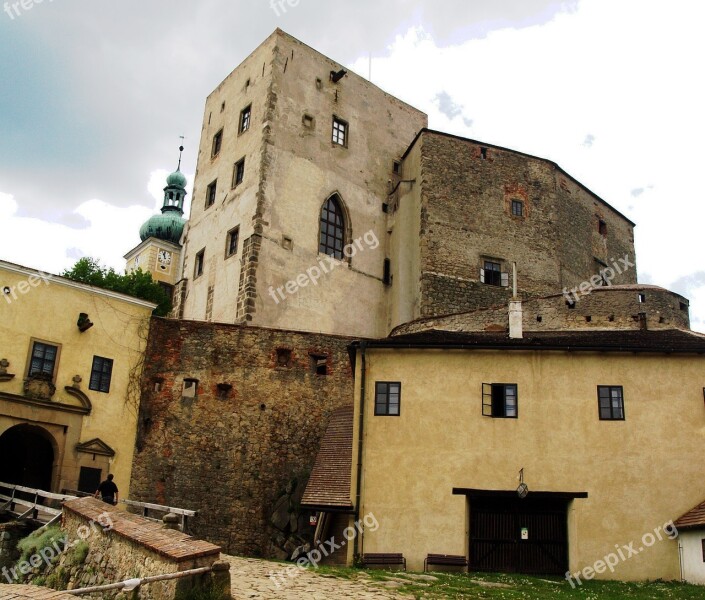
(94, 97)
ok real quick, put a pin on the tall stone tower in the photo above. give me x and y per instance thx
(294, 166)
(160, 250)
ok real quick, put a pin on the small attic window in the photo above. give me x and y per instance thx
(602, 227)
(641, 298)
(396, 167)
(483, 153)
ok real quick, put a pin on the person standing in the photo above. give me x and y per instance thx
(108, 491)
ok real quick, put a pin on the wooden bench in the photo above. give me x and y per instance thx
(448, 560)
(384, 559)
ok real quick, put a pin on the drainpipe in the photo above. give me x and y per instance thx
(358, 492)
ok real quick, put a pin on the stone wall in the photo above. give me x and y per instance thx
(11, 533)
(616, 307)
(467, 191)
(102, 545)
(240, 450)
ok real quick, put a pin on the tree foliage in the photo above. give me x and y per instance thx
(137, 283)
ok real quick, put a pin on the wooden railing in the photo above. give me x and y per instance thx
(32, 508)
(160, 508)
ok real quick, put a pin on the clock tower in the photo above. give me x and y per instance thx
(159, 253)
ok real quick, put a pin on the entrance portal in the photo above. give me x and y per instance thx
(27, 457)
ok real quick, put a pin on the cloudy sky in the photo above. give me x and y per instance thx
(94, 96)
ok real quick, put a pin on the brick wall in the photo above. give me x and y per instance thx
(253, 428)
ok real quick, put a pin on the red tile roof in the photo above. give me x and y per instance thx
(693, 519)
(329, 484)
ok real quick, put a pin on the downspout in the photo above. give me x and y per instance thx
(358, 491)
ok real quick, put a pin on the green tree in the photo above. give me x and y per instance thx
(137, 283)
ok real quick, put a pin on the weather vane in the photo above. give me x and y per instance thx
(181, 151)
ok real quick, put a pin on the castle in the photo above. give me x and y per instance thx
(344, 264)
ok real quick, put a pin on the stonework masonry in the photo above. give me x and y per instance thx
(463, 192)
(617, 307)
(254, 425)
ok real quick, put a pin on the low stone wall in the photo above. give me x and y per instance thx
(105, 545)
(11, 533)
(615, 307)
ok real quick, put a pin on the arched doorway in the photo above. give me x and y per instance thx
(27, 457)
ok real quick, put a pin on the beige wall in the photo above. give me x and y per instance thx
(637, 472)
(291, 169)
(49, 312)
(145, 255)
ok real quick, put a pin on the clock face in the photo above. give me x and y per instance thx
(164, 257)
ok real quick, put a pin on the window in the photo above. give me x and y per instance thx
(517, 208)
(190, 388)
(245, 116)
(602, 227)
(211, 193)
(238, 172)
(340, 132)
(396, 167)
(332, 231)
(198, 266)
(283, 357)
(387, 398)
(387, 273)
(43, 361)
(483, 153)
(611, 402)
(703, 543)
(641, 298)
(492, 274)
(319, 364)
(233, 238)
(217, 143)
(499, 400)
(100, 374)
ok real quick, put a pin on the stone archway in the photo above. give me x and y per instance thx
(28, 455)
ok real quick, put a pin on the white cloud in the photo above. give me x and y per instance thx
(624, 72)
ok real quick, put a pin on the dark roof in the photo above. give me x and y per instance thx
(329, 484)
(550, 162)
(693, 519)
(660, 341)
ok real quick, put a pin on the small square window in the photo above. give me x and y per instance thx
(319, 364)
(517, 208)
(190, 388)
(499, 400)
(283, 357)
(396, 167)
(340, 132)
(641, 298)
(101, 374)
(611, 402)
(387, 398)
(483, 153)
(308, 121)
(217, 143)
(198, 265)
(491, 274)
(238, 172)
(602, 227)
(211, 192)
(245, 117)
(233, 239)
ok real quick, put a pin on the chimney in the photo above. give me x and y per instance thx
(515, 319)
(515, 311)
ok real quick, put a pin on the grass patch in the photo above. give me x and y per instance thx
(519, 587)
(38, 540)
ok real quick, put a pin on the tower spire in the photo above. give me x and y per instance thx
(181, 151)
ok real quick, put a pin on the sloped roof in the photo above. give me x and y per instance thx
(693, 519)
(665, 341)
(329, 484)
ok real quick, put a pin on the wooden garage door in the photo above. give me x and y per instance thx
(496, 541)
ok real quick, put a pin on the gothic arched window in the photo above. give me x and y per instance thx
(332, 231)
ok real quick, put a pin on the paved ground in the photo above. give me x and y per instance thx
(255, 579)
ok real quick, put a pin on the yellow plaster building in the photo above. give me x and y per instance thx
(70, 362)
